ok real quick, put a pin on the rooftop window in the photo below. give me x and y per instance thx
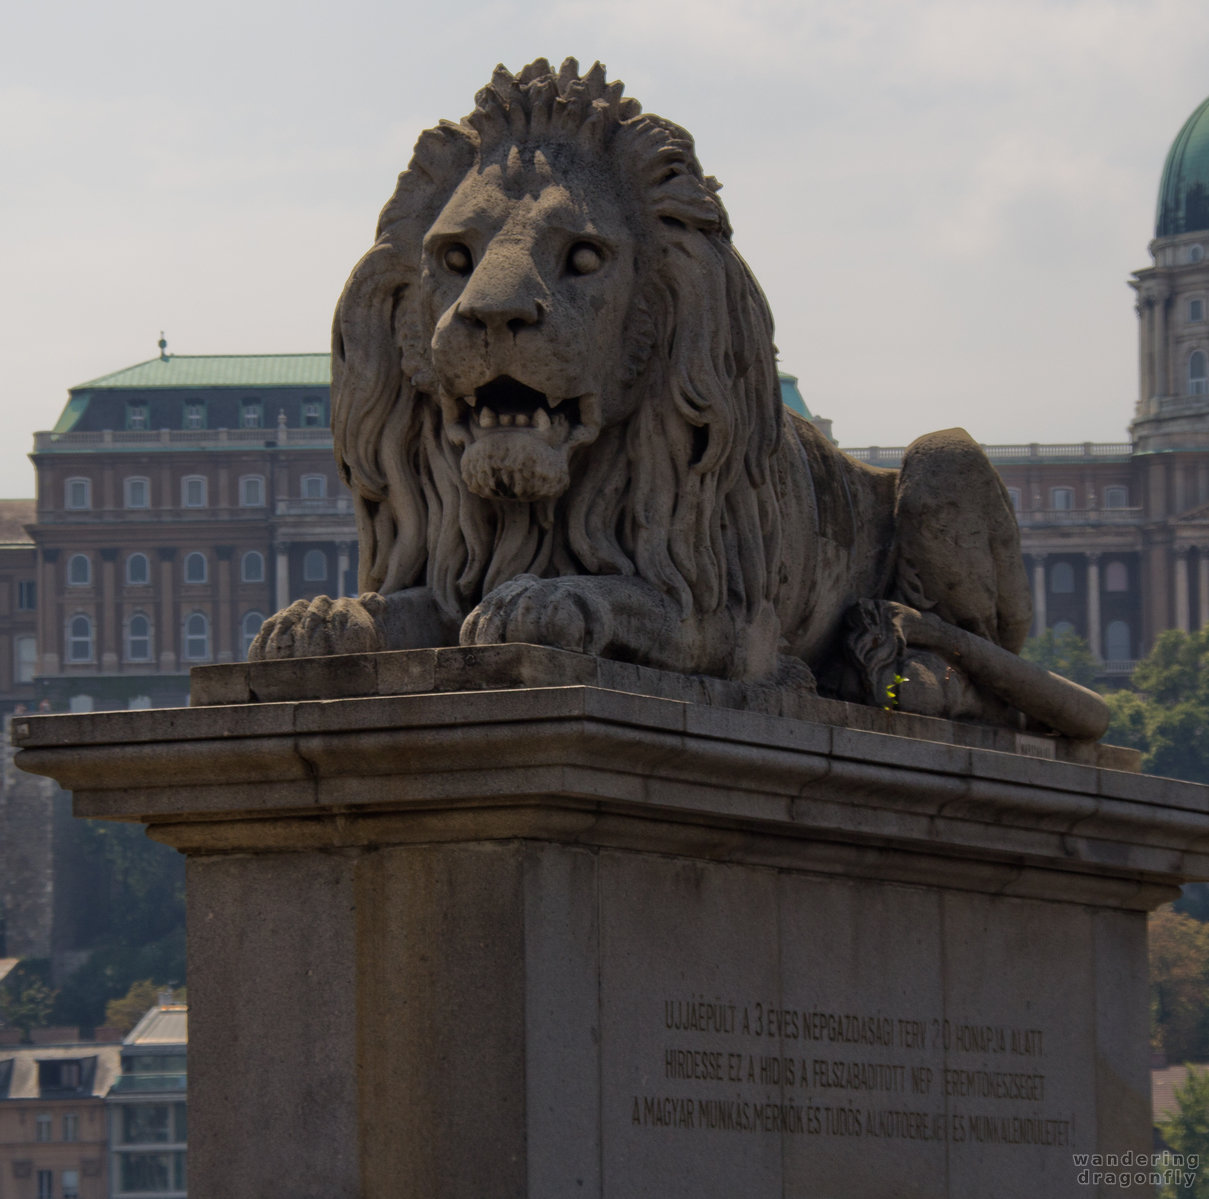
(64, 1074)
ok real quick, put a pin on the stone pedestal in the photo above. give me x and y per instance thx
(511, 922)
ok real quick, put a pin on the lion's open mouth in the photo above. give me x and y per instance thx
(507, 403)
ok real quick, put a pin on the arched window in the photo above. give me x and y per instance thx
(1062, 499)
(1014, 497)
(314, 487)
(1116, 577)
(26, 659)
(248, 629)
(195, 568)
(1118, 645)
(314, 566)
(197, 637)
(77, 493)
(251, 491)
(1197, 382)
(79, 570)
(79, 639)
(137, 492)
(138, 638)
(1062, 580)
(138, 570)
(1116, 497)
(251, 567)
(1063, 627)
(193, 491)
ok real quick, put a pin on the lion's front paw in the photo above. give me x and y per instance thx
(315, 628)
(565, 613)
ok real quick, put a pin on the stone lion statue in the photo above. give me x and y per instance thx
(555, 401)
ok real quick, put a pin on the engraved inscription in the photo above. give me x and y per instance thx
(752, 1067)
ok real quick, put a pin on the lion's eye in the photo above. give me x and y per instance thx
(457, 259)
(584, 259)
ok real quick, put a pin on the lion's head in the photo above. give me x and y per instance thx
(553, 361)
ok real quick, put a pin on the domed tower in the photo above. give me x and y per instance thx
(1173, 302)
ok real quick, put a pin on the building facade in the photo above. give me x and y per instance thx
(53, 1130)
(148, 1112)
(180, 501)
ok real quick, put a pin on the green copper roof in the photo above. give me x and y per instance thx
(1184, 188)
(791, 397)
(222, 370)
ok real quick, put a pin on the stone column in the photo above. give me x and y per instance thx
(1093, 606)
(109, 624)
(281, 595)
(1161, 350)
(50, 614)
(169, 618)
(1145, 374)
(222, 607)
(1203, 588)
(1038, 594)
(342, 565)
(1181, 587)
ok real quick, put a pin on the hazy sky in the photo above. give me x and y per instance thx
(943, 199)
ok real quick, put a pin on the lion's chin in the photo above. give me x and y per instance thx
(515, 466)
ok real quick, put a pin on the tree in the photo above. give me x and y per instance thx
(26, 998)
(1179, 986)
(1186, 1132)
(135, 922)
(1166, 715)
(1064, 653)
(126, 1012)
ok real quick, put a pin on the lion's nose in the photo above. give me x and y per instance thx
(503, 294)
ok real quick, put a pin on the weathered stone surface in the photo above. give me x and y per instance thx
(479, 930)
(555, 399)
(499, 667)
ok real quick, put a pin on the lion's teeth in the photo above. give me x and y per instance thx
(470, 400)
(505, 419)
(522, 420)
(541, 419)
(486, 418)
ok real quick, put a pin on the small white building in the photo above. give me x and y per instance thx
(147, 1108)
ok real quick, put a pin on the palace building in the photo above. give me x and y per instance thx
(1116, 535)
(180, 501)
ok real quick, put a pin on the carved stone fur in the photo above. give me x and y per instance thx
(555, 401)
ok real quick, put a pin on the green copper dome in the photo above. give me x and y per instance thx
(1184, 187)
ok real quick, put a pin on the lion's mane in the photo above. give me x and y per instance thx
(680, 495)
